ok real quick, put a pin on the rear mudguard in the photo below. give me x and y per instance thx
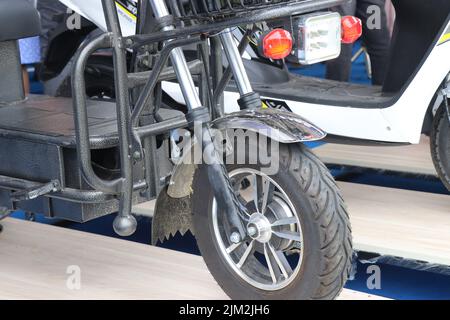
(283, 127)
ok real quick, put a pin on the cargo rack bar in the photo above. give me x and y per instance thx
(269, 13)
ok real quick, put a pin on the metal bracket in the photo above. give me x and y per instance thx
(33, 193)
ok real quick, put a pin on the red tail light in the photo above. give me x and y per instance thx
(277, 44)
(351, 29)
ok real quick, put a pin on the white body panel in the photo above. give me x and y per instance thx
(93, 11)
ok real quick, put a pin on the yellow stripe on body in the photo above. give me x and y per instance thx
(445, 38)
(127, 12)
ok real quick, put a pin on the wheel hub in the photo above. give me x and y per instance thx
(259, 228)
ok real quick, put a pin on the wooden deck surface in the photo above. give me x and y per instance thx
(414, 159)
(34, 260)
(408, 224)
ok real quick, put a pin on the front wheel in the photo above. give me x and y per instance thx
(298, 243)
(440, 145)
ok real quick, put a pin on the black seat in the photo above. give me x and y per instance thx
(18, 19)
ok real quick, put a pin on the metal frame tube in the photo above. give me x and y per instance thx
(68, 194)
(179, 62)
(81, 117)
(217, 74)
(235, 60)
(161, 127)
(142, 78)
(146, 94)
(225, 79)
(123, 107)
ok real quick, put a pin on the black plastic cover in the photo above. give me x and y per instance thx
(418, 24)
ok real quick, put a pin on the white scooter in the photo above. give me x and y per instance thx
(412, 101)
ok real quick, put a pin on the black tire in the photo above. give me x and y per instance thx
(325, 226)
(440, 145)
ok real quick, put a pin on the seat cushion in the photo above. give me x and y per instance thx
(18, 19)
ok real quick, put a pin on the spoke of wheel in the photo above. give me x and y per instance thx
(265, 191)
(246, 254)
(288, 235)
(233, 247)
(282, 262)
(269, 264)
(285, 221)
(255, 191)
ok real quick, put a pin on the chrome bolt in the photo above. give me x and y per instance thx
(252, 231)
(235, 238)
(136, 155)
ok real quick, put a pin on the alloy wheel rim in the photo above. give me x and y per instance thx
(273, 231)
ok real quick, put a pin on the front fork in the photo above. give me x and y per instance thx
(248, 98)
(217, 173)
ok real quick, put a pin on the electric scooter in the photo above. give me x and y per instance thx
(267, 215)
(412, 101)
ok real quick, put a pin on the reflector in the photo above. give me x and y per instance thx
(277, 44)
(351, 29)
